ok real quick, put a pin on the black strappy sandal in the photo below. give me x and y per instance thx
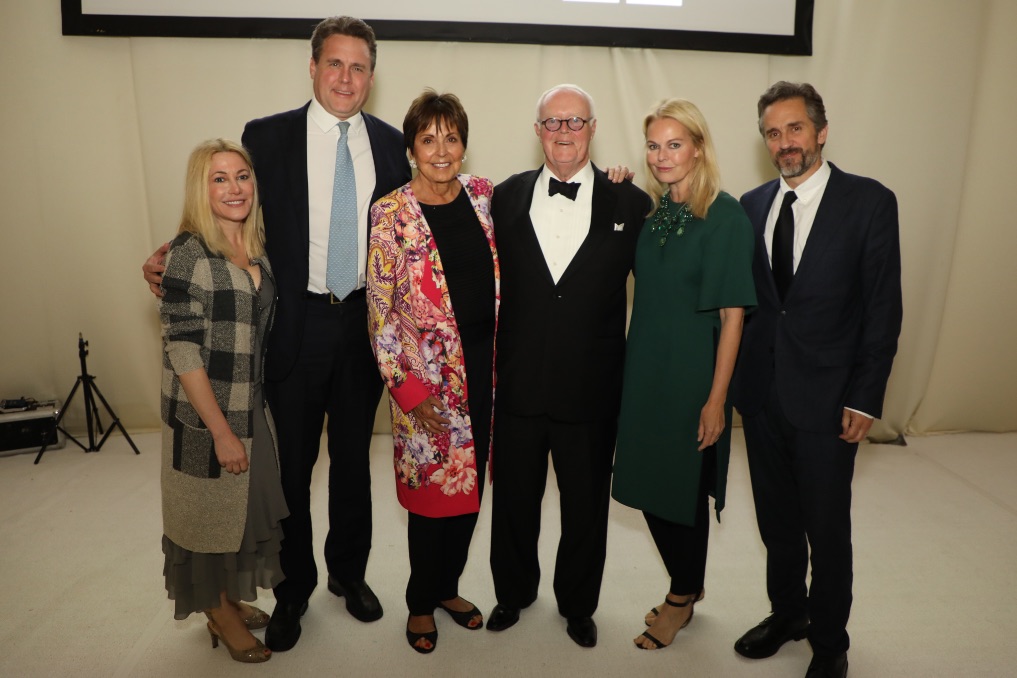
(659, 645)
(654, 611)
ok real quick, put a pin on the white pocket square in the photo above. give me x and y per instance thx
(619, 227)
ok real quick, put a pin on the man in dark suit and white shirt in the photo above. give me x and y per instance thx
(319, 359)
(566, 239)
(812, 370)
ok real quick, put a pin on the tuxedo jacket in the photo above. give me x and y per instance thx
(830, 344)
(278, 147)
(561, 347)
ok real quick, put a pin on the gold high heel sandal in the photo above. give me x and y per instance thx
(256, 619)
(257, 654)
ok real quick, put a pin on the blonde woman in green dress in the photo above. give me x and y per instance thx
(693, 275)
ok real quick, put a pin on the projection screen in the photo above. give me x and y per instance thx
(757, 26)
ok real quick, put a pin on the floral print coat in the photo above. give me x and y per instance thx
(417, 346)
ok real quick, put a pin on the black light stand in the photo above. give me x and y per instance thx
(90, 390)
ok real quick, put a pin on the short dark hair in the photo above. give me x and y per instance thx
(343, 25)
(783, 90)
(442, 109)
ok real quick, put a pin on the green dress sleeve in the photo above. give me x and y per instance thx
(727, 258)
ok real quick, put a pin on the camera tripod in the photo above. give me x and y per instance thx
(90, 391)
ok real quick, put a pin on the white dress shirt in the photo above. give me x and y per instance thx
(561, 224)
(805, 206)
(322, 139)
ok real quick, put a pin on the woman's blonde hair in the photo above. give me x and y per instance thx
(198, 218)
(704, 177)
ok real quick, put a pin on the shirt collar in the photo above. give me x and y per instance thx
(325, 121)
(583, 177)
(810, 189)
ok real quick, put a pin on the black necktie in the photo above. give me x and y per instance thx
(569, 190)
(783, 249)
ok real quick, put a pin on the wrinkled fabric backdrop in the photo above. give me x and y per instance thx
(96, 133)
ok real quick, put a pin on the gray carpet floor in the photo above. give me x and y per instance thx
(935, 527)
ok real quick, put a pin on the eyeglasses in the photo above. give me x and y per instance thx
(575, 123)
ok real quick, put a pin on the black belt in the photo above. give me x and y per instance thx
(329, 298)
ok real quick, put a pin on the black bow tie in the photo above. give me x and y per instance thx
(570, 190)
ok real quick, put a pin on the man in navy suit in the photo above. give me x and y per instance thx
(812, 370)
(566, 240)
(319, 358)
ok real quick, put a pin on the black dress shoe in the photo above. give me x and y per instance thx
(765, 639)
(283, 630)
(502, 617)
(828, 667)
(360, 599)
(583, 630)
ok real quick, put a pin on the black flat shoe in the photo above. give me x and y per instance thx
(828, 667)
(283, 630)
(583, 630)
(465, 617)
(766, 638)
(429, 636)
(502, 617)
(360, 599)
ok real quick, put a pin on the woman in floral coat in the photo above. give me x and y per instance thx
(432, 291)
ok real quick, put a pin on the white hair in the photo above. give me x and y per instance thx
(566, 87)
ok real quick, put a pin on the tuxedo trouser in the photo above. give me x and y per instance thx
(801, 486)
(335, 374)
(582, 455)
(683, 547)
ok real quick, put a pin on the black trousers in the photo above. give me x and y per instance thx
(439, 548)
(683, 547)
(582, 455)
(335, 374)
(801, 485)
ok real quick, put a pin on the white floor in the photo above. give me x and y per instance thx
(935, 527)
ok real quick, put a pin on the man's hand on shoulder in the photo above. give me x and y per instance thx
(620, 173)
(153, 269)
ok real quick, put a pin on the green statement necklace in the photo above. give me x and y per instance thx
(664, 221)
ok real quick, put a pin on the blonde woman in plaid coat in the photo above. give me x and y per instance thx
(222, 500)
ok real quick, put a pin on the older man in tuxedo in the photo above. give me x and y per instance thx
(319, 168)
(566, 238)
(813, 368)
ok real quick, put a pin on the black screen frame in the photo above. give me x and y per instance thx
(119, 25)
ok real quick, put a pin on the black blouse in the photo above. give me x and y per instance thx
(467, 262)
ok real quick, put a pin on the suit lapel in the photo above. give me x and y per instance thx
(296, 159)
(521, 215)
(824, 228)
(601, 223)
(757, 215)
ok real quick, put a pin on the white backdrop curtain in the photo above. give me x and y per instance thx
(96, 133)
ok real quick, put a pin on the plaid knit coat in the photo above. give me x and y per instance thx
(209, 321)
